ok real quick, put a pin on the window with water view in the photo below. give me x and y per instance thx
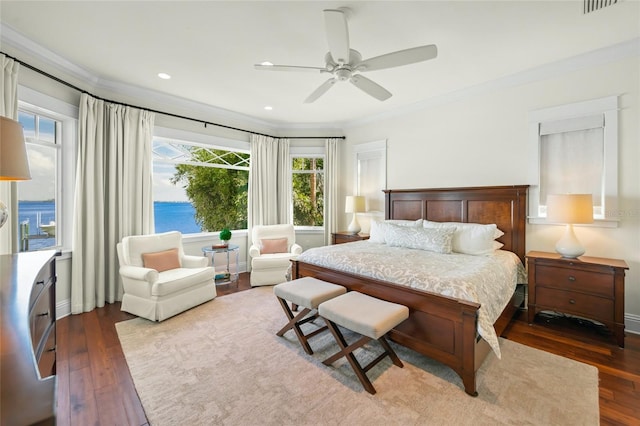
(38, 198)
(199, 188)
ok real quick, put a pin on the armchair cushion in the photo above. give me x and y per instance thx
(161, 260)
(273, 245)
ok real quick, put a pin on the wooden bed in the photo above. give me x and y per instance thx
(441, 327)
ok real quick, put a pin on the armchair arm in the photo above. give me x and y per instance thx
(296, 249)
(189, 261)
(138, 273)
(254, 251)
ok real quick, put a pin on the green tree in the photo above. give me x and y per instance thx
(219, 195)
(308, 192)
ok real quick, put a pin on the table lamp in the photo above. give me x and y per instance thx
(569, 209)
(354, 204)
(13, 157)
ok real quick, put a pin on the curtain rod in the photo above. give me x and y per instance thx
(206, 123)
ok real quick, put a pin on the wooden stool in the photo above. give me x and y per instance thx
(365, 315)
(307, 292)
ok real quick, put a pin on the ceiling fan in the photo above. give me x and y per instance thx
(345, 63)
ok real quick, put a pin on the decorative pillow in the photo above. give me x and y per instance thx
(161, 260)
(430, 239)
(379, 229)
(274, 245)
(471, 238)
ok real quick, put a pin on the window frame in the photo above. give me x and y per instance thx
(306, 152)
(608, 107)
(34, 102)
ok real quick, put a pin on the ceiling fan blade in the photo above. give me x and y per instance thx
(370, 87)
(337, 30)
(320, 90)
(401, 57)
(294, 68)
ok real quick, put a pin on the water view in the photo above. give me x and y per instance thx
(38, 227)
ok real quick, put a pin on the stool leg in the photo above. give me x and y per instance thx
(293, 323)
(347, 352)
(389, 350)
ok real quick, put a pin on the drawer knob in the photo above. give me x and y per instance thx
(40, 282)
(52, 349)
(572, 278)
(573, 302)
(44, 314)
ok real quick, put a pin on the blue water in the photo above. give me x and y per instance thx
(171, 216)
(168, 217)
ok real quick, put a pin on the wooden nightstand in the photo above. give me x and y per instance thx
(347, 237)
(587, 287)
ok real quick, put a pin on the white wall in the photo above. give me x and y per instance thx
(481, 138)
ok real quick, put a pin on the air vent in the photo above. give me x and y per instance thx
(593, 5)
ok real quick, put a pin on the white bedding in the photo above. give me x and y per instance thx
(488, 280)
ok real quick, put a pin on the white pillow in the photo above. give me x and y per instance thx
(431, 239)
(471, 238)
(378, 230)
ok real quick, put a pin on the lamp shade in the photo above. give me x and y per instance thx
(354, 204)
(570, 208)
(14, 164)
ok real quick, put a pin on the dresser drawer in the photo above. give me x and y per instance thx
(40, 318)
(47, 361)
(42, 281)
(575, 303)
(575, 280)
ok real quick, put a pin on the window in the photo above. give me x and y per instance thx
(371, 174)
(577, 153)
(199, 187)
(39, 206)
(307, 182)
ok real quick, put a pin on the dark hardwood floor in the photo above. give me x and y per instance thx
(95, 387)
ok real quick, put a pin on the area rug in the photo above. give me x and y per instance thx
(222, 364)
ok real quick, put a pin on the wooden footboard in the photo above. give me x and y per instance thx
(440, 327)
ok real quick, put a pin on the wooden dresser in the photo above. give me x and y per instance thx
(28, 366)
(587, 287)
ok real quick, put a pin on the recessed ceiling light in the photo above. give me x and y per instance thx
(164, 75)
(266, 64)
(268, 107)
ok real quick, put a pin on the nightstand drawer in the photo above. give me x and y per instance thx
(575, 280)
(575, 303)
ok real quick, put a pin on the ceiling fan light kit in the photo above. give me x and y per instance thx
(346, 64)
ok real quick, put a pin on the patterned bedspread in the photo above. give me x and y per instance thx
(488, 280)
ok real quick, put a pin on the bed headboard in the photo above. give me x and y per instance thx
(506, 206)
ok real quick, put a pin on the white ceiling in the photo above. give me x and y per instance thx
(209, 47)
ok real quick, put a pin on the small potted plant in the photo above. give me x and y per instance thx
(225, 235)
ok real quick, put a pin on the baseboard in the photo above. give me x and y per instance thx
(632, 323)
(63, 309)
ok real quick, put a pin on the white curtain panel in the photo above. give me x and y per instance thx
(269, 183)
(113, 196)
(8, 190)
(331, 167)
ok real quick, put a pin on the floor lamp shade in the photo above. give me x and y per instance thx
(570, 209)
(14, 164)
(354, 204)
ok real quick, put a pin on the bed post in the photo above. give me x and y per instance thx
(469, 329)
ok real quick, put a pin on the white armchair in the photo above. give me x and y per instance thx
(271, 251)
(159, 280)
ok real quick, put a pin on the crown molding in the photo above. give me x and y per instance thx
(601, 56)
(613, 53)
(15, 40)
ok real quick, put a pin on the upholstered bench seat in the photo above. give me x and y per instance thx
(308, 293)
(370, 317)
